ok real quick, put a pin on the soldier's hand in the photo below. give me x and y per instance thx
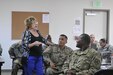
(52, 65)
(71, 72)
(49, 43)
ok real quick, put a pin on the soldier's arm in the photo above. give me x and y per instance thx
(65, 67)
(94, 66)
(0, 50)
(70, 53)
(47, 53)
(111, 49)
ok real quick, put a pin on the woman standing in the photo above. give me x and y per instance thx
(32, 42)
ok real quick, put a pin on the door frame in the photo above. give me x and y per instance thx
(107, 20)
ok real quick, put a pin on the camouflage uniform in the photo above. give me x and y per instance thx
(84, 62)
(15, 53)
(0, 50)
(106, 53)
(57, 56)
(94, 45)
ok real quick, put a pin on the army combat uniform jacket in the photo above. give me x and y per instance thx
(84, 62)
(57, 55)
(15, 51)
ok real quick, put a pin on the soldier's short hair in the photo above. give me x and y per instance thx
(85, 38)
(64, 36)
(103, 40)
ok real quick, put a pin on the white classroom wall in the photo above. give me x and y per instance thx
(62, 17)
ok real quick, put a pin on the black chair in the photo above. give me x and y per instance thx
(104, 72)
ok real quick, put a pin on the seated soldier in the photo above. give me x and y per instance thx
(56, 56)
(93, 42)
(84, 61)
(106, 51)
(15, 52)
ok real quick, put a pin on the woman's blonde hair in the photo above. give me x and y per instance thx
(29, 21)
